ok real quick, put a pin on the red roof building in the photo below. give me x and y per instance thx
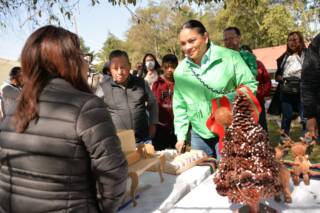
(269, 55)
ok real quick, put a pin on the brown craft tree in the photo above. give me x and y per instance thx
(248, 168)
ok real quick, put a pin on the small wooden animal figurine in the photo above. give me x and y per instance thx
(284, 175)
(301, 164)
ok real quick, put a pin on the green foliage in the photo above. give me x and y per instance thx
(50, 10)
(295, 134)
(55, 10)
(84, 48)
(110, 44)
(156, 30)
(264, 23)
(277, 24)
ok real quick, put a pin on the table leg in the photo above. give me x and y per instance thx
(134, 185)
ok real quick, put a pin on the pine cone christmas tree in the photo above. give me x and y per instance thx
(247, 169)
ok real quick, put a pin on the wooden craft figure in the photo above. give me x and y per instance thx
(140, 158)
(177, 163)
(284, 175)
(301, 164)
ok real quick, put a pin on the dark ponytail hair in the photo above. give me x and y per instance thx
(194, 24)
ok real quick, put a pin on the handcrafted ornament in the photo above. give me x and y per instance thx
(301, 164)
(247, 167)
(140, 158)
(221, 115)
(284, 175)
(175, 164)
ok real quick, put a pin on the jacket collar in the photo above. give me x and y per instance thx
(130, 83)
(59, 81)
(209, 59)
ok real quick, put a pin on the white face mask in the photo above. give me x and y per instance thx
(150, 65)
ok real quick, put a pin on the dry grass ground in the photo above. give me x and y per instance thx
(295, 134)
(274, 137)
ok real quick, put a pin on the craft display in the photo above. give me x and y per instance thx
(221, 115)
(301, 164)
(140, 158)
(176, 163)
(247, 167)
(284, 175)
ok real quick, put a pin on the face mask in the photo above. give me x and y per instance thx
(150, 65)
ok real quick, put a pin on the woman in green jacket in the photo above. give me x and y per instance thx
(208, 71)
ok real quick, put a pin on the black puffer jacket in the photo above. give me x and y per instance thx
(310, 80)
(54, 165)
(129, 105)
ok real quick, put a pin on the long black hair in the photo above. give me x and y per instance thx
(195, 25)
(157, 66)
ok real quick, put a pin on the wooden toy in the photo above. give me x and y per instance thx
(284, 175)
(301, 164)
(176, 163)
(140, 158)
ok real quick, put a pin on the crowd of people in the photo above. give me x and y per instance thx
(58, 145)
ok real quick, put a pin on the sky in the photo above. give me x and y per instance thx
(92, 23)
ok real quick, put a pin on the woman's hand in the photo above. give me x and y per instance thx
(179, 146)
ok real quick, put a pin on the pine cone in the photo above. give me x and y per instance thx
(247, 168)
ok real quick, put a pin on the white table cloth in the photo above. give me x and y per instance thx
(161, 197)
(204, 198)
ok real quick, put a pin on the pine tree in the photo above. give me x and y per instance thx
(247, 169)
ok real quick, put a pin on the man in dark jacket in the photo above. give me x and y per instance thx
(11, 91)
(310, 86)
(129, 98)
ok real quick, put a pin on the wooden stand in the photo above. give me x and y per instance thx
(139, 159)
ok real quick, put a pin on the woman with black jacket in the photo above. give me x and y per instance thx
(60, 142)
(288, 75)
(310, 86)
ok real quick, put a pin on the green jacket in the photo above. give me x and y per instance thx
(251, 61)
(221, 69)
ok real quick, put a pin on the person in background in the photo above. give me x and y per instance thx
(129, 98)
(163, 91)
(94, 77)
(264, 87)
(288, 72)
(89, 58)
(1, 109)
(60, 140)
(207, 72)
(232, 40)
(310, 87)
(150, 69)
(11, 91)
(106, 69)
(138, 71)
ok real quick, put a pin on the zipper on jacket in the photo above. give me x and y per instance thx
(130, 113)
